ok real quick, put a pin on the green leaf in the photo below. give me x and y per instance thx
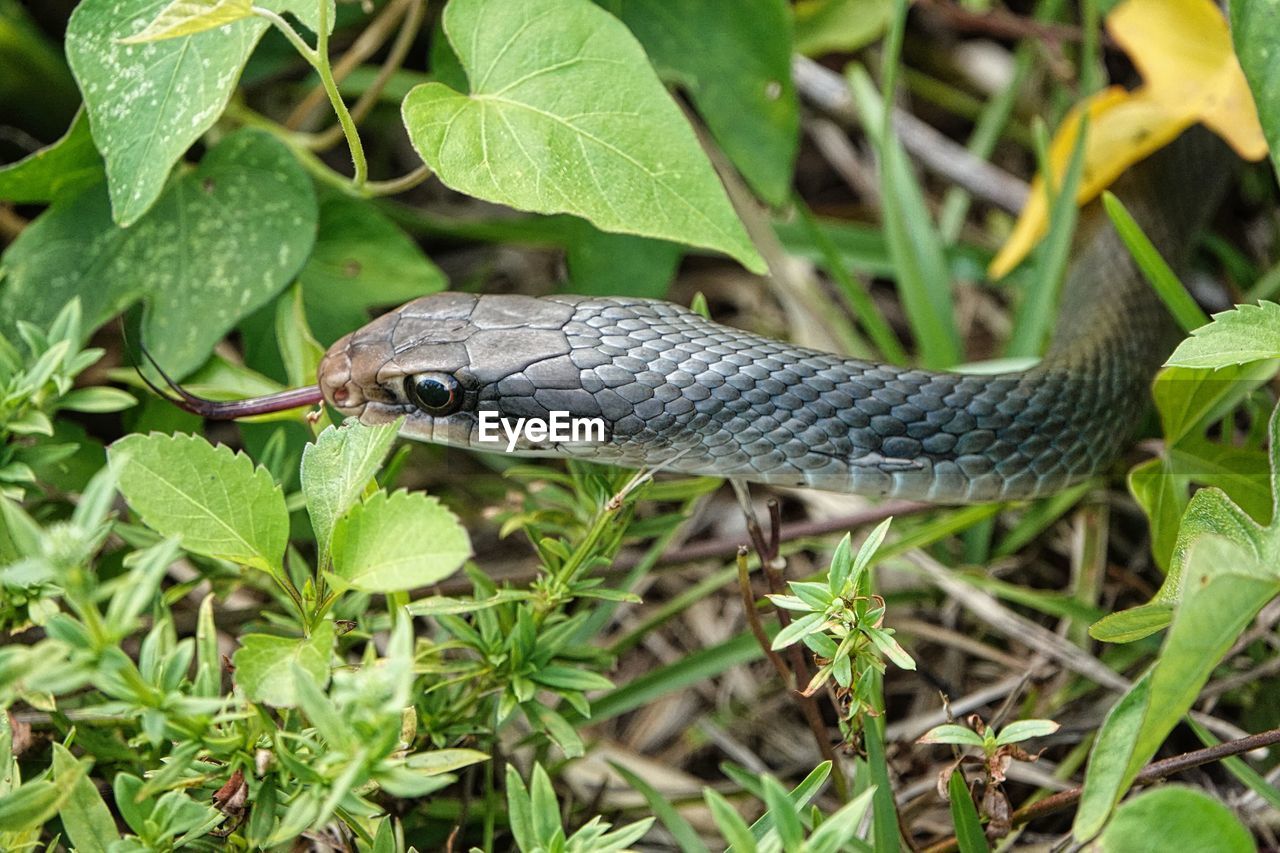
(791, 602)
(822, 644)
(797, 629)
(299, 350)
(867, 550)
(1163, 495)
(560, 730)
(397, 542)
(969, 835)
(520, 811)
(1035, 316)
(264, 664)
(148, 103)
(889, 647)
(565, 115)
(1188, 399)
(208, 672)
(361, 260)
(1133, 624)
(752, 112)
(731, 825)
(1224, 586)
(146, 568)
(1245, 334)
(840, 830)
(337, 468)
(67, 166)
(816, 596)
(85, 817)
(97, 399)
(951, 733)
(1021, 730)
(215, 500)
(571, 678)
(785, 820)
(1105, 781)
(545, 810)
(222, 241)
(187, 17)
(1175, 817)
(1223, 572)
(884, 809)
(385, 839)
(1240, 472)
(322, 712)
(1253, 31)
(844, 26)
(444, 760)
(29, 806)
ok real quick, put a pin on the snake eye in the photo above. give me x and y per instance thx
(435, 393)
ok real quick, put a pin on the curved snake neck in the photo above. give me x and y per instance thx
(680, 392)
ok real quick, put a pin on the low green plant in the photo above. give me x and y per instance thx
(37, 381)
(308, 740)
(842, 623)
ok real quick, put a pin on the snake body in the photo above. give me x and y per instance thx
(680, 392)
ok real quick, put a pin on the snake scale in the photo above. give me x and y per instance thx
(680, 392)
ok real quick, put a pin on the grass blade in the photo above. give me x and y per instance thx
(1153, 266)
(923, 277)
(1036, 313)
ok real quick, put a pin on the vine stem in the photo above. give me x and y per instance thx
(318, 58)
(278, 21)
(395, 59)
(400, 184)
(325, 69)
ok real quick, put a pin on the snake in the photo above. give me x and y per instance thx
(674, 391)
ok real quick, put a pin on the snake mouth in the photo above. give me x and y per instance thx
(336, 383)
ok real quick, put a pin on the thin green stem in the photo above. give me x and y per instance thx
(325, 69)
(283, 581)
(308, 53)
(395, 59)
(395, 186)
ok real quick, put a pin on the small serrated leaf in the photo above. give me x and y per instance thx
(336, 469)
(397, 542)
(264, 664)
(217, 501)
(1245, 334)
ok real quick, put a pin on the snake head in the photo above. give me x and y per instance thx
(442, 360)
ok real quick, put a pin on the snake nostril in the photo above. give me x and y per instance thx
(340, 396)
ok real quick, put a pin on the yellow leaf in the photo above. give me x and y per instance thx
(187, 17)
(1183, 50)
(1190, 73)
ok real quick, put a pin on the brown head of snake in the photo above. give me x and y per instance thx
(672, 390)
